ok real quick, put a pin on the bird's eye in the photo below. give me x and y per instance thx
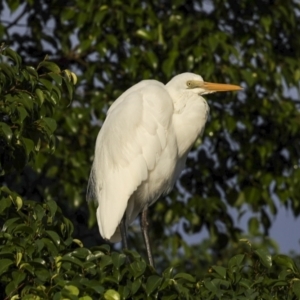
(189, 84)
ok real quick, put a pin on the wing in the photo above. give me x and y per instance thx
(128, 147)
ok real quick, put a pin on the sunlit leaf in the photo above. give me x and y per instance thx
(111, 295)
(49, 66)
(265, 257)
(6, 131)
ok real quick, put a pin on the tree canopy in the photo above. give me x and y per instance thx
(63, 64)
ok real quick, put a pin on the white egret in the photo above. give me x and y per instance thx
(142, 148)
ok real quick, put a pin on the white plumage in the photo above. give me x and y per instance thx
(143, 144)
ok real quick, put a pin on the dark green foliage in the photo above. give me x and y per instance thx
(28, 99)
(40, 258)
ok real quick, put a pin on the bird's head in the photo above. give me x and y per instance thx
(195, 83)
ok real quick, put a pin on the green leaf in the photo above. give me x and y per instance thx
(56, 77)
(285, 261)
(72, 124)
(68, 13)
(185, 276)
(22, 114)
(27, 267)
(28, 145)
(73, 290)
(11, 287)
(211, 286)
(8, 71)
(112, 295)
(105, 248)
(74, 78)
(81, 253)
(76, 241)
(19, 256)
(71, 259)
(266, 22)
(53, 236)
(68, 75)
(221, 271)
(39, 212)
(51, 123)
(6, 131)
(153, 282)
(69, 87)
(42, 273)
(135, 286)
(26, 100)
(296, 288)
(39, 245)
(4, 204)
(105, 261)
(253, 226)
(132, 254)
(168, 65)
(112, 40)
(46, 83)
(40, 96)
(52, 207)
(50, 246)
(152, 60)
(138, 268)
(95, 285)
(124, 291)
(23, 228)
(10, 223)
(5, 264)
(6, 190)
(18, 202)
(168, 272)
(118, 259)
(246, 283)
(252, 194)
(17, 278)
(167, 284)
(144, 34)
(49, 66)
(57, 296)
(236, 261)
(265, 257)
(32, 71)
(13, 55)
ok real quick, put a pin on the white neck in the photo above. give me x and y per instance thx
(190, 115)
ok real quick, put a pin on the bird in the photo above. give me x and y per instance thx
(142, 148)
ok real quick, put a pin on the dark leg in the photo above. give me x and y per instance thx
(124, 232)
(144, 225)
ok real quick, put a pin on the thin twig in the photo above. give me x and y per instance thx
(18, 18)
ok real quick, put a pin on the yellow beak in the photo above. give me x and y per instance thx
(220, 87)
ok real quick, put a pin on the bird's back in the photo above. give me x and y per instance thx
(135, 156)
